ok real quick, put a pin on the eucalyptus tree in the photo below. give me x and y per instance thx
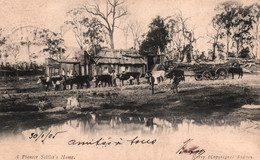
(108, 15)
(88, 32)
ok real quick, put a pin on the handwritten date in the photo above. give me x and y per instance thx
(43, 136)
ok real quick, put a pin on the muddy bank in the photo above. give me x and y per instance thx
(193, 94)
(203, 105)
(135, 97)
(211, 102)
(89, 98)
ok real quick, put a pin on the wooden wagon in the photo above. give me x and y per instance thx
(210, 71)
(202, 71)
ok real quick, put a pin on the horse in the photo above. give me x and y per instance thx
(234, 70)
(129, 76)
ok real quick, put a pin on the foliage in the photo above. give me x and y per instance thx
(244, 53)
(54, 43)
(181, 38)
(156, 39)
(214, 39)
(87, 31)
(237, 22)
(2, 43)
(13, 50)
(137, 33)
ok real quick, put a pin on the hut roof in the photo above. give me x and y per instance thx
(57, 63)
(68, 60)
(119, 57)
(52, 63)
(121, 61)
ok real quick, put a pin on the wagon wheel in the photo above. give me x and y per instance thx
(221, 73)
(206, 75)
(198, 77)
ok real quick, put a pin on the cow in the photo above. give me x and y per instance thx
(103, 80)
(48, 81)
(158, 76)
(79, 80)
(129, 76)
(234, 70)
(175, 73)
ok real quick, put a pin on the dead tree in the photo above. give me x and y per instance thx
(113, 11)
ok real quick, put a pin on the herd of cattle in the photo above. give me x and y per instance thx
(63, 82)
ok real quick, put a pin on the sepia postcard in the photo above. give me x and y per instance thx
(129, 79)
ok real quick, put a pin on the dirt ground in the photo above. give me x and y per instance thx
(218, 101)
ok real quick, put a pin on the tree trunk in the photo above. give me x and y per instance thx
(135, 44)
(214, 52)
(227, 45)
(256, 54)
(89, 66)
(89, 69)
(85, 64)
(111, 40)
(237, 41)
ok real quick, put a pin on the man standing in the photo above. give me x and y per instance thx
(63, 73)
(151, 79)
(113, 74)
(175, 83)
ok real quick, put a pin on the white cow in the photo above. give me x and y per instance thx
(158, 75)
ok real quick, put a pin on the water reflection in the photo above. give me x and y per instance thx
(216, 136)
(100, 124)
(95, 125)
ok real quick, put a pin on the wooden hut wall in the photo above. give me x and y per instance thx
(105, 69)
(52, 67)
(101, 69)
(77, 68)
(68, 67)
(82, 70)
(52, 71)
(137, 68)
(116, 68)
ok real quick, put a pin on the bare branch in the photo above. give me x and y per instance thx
(114, 10)
(97, 12)
(121, 14)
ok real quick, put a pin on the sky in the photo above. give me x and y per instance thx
(52, 14)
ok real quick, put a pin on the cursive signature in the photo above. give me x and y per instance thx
(43, 136)
(190, 150)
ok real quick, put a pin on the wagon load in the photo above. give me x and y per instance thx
(208, 71)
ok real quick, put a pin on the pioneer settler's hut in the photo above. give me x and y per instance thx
(119, 60)
(55, 67)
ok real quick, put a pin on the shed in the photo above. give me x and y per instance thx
(55, 67)
(119, 60)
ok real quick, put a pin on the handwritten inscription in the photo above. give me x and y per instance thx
(43, 136)
(108, 142)
(137, 141)
(193, 150)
